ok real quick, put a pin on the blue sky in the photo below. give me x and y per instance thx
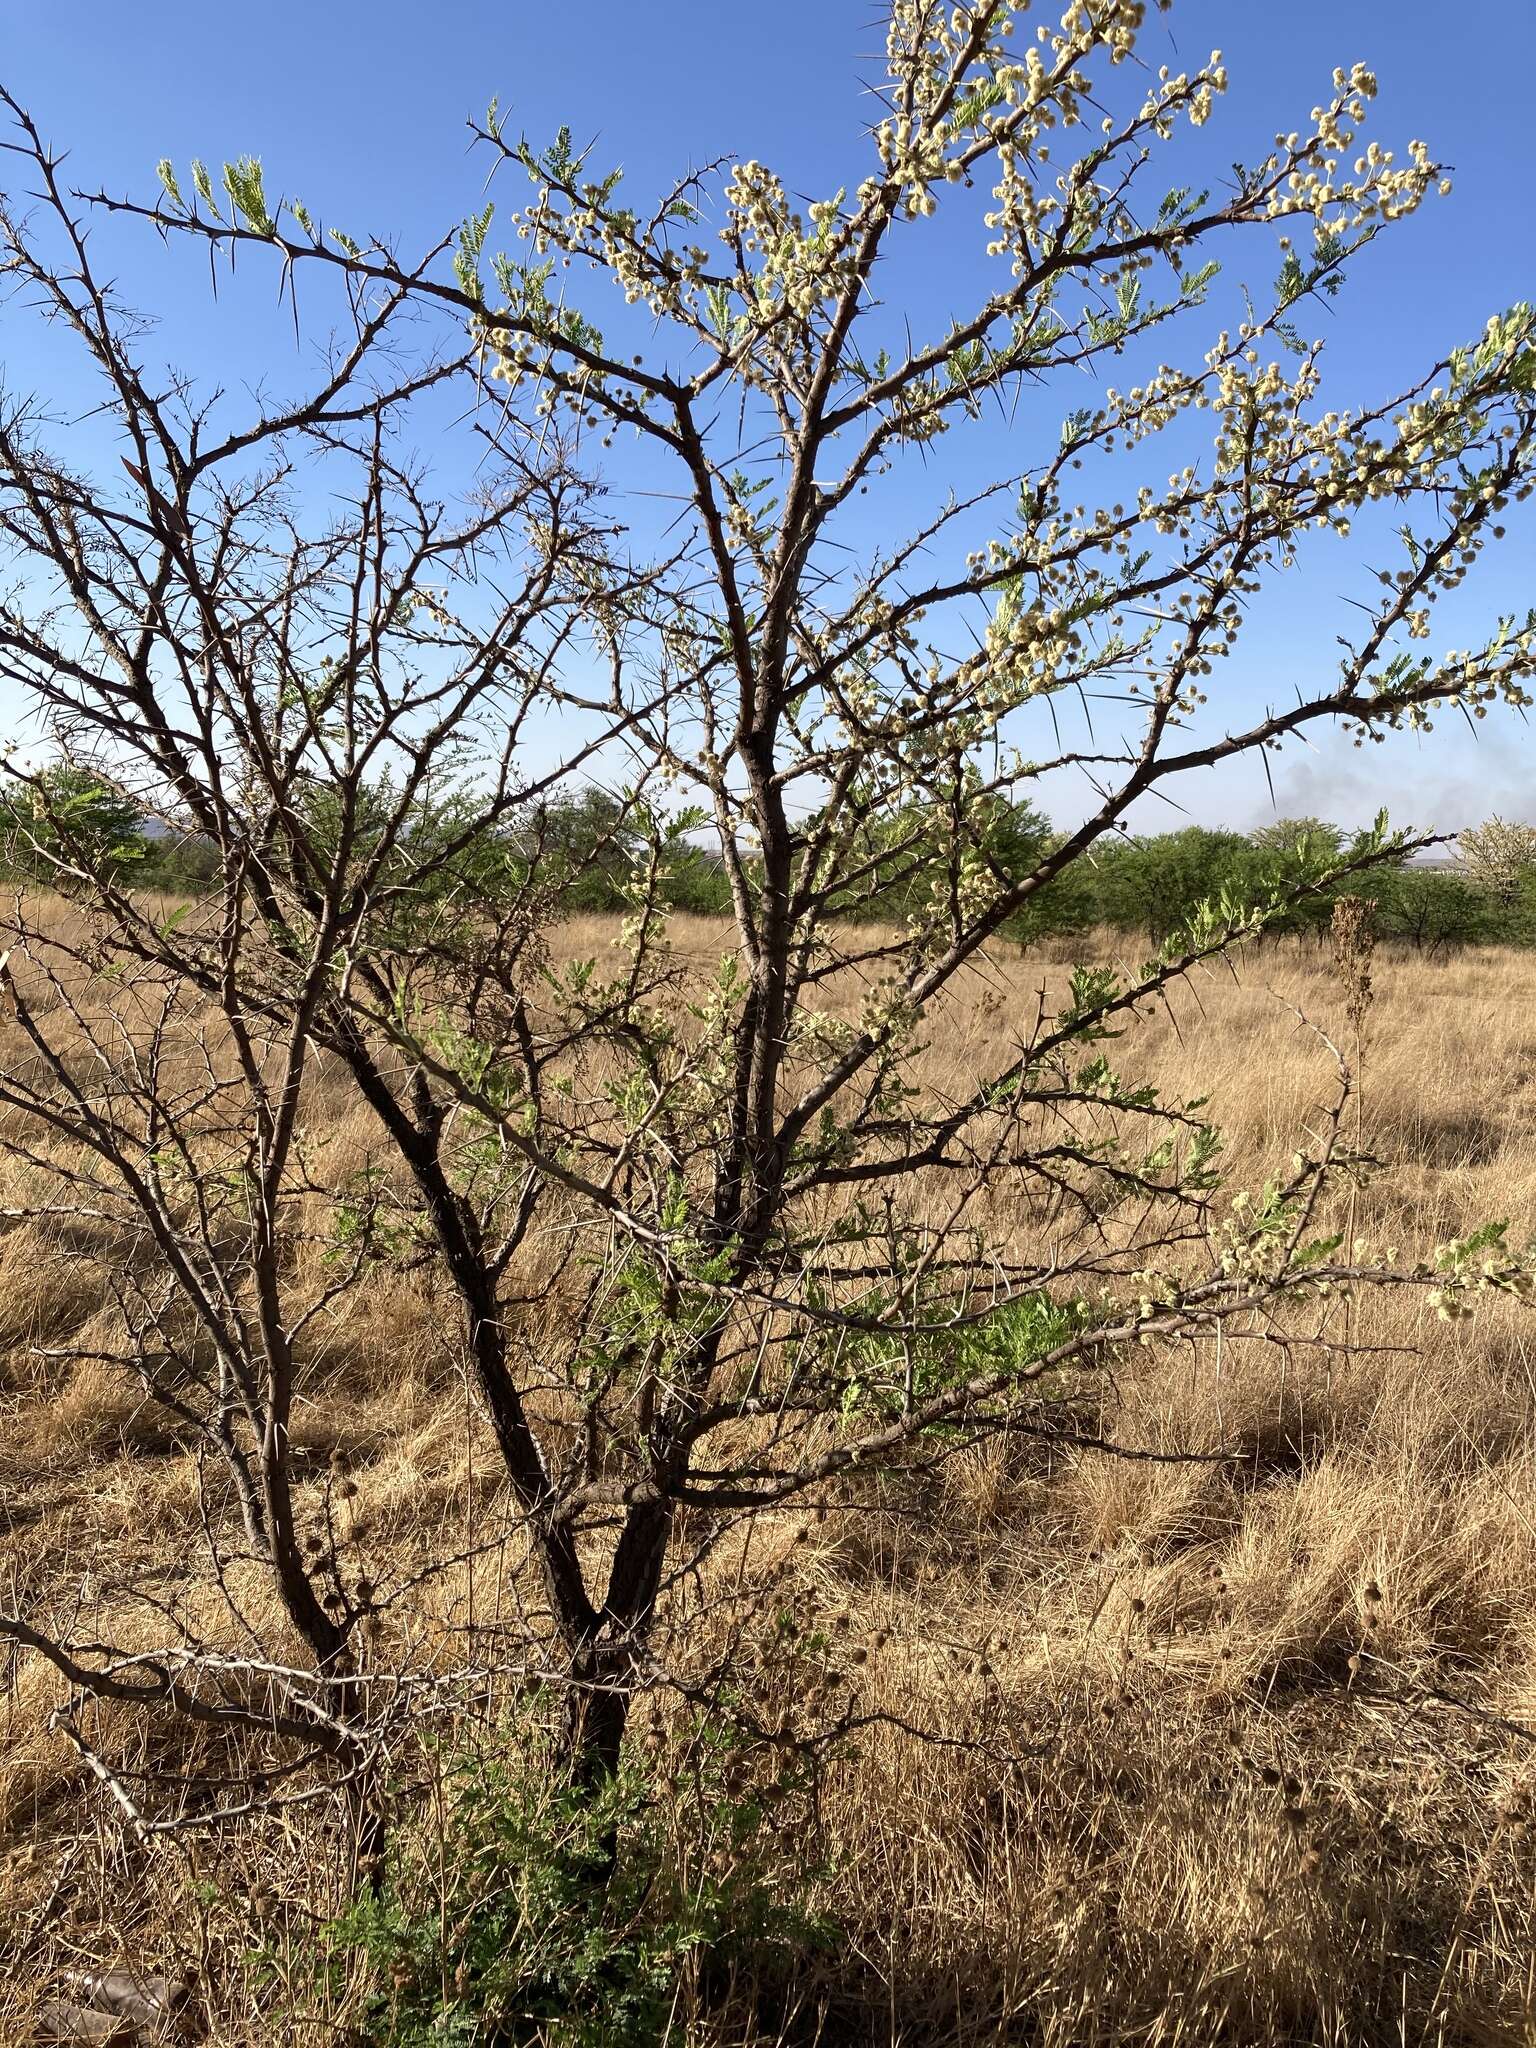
(360, 111)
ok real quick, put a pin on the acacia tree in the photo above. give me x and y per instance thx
(1498, 854)
(890, 569)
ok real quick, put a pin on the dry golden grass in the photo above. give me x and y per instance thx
(1250, 1744)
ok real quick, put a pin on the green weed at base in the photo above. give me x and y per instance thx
(517, 1908)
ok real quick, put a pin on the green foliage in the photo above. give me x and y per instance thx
(912, 857)
(67, 823)
(521, 1909)
(591, 844)
(243, 183)
(204, 187)
(471, 244)
(885, 1372)
(584, 850)
(1158, 884)
(1437, 912)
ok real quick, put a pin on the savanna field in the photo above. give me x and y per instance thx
(1209, 1715)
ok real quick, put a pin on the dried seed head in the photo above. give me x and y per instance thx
(1354, 941)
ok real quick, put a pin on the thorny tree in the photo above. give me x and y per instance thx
(887, 571)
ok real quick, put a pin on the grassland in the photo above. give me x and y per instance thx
(1237, 1749)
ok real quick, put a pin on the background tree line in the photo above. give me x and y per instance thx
(591, 849)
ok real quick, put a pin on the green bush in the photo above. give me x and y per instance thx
(519, 1909)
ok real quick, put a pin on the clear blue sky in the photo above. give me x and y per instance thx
(359, 110)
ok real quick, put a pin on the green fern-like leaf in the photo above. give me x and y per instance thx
(204, 186)
(242, 181)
